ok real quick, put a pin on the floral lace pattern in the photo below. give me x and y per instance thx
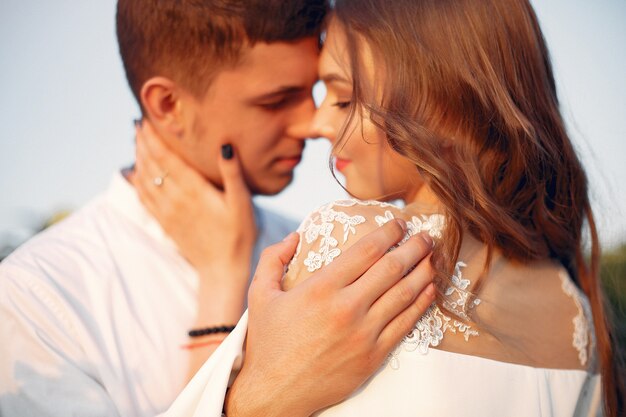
(433, 224)
(458, 289)
(321, 223)
(580, 339)
(328, 250)
(430, 329)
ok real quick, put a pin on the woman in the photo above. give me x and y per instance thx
(451, 106)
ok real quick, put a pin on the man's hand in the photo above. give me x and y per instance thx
(314, 345)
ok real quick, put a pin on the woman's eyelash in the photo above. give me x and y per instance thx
(342, 104)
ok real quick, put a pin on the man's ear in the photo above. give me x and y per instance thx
(162, 100)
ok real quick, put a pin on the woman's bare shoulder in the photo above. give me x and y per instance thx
(529, 314)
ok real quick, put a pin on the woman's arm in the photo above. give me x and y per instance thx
(213, 229)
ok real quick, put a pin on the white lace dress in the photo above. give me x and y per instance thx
(418, 379)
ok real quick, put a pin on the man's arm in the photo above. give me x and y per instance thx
(314, 345)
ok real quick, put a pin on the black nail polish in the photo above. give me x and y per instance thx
(227, 151)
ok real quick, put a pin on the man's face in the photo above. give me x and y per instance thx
(263, 107)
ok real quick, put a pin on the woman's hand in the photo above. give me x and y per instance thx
(210, 226)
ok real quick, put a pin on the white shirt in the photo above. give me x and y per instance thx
(93, 312)
(418, 379)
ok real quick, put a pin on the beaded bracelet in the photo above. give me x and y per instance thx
(210, 330)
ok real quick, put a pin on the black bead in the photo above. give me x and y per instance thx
(210, 330)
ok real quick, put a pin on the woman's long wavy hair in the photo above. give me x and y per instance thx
(469, 96)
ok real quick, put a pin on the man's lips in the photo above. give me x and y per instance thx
(341, 163)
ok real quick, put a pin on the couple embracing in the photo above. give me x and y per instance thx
(449, 106)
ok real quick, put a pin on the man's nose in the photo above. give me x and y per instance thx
(300, 126)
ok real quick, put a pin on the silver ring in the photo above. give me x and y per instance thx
(158, 181)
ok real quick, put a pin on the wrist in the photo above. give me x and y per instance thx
(214, 312)
(248, 397)
(221, 296)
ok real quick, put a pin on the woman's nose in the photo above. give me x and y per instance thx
(321, 127)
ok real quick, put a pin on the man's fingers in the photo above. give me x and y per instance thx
(391, 268)
(363, 254)
(401, 295)
(272, 263)
(405, 322)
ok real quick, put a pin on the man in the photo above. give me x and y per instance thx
(97, 311)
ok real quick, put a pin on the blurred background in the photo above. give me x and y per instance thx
(66, 115)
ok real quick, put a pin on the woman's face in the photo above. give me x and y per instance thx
(372, 169)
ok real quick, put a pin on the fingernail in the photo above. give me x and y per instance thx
(402, 224)
(227, 151)
(430, 290)
(429, 240)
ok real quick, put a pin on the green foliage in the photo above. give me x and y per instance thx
(613, 276)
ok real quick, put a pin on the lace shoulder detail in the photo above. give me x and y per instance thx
(323, 223)
(331, 227)
(583, 332)
(431, 328)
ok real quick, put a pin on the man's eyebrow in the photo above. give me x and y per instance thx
(334, 78)
(279, 92)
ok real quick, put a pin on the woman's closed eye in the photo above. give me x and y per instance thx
(342, 104)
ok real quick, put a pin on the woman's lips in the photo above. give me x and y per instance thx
(341, 164)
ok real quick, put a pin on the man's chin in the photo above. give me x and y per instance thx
(271, 188)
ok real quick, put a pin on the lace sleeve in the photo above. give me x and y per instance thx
(332, 228)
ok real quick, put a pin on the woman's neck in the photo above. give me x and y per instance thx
(422, 200)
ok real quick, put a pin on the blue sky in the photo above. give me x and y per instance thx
(66, 110)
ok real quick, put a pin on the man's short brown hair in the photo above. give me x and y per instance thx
(188, 40)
